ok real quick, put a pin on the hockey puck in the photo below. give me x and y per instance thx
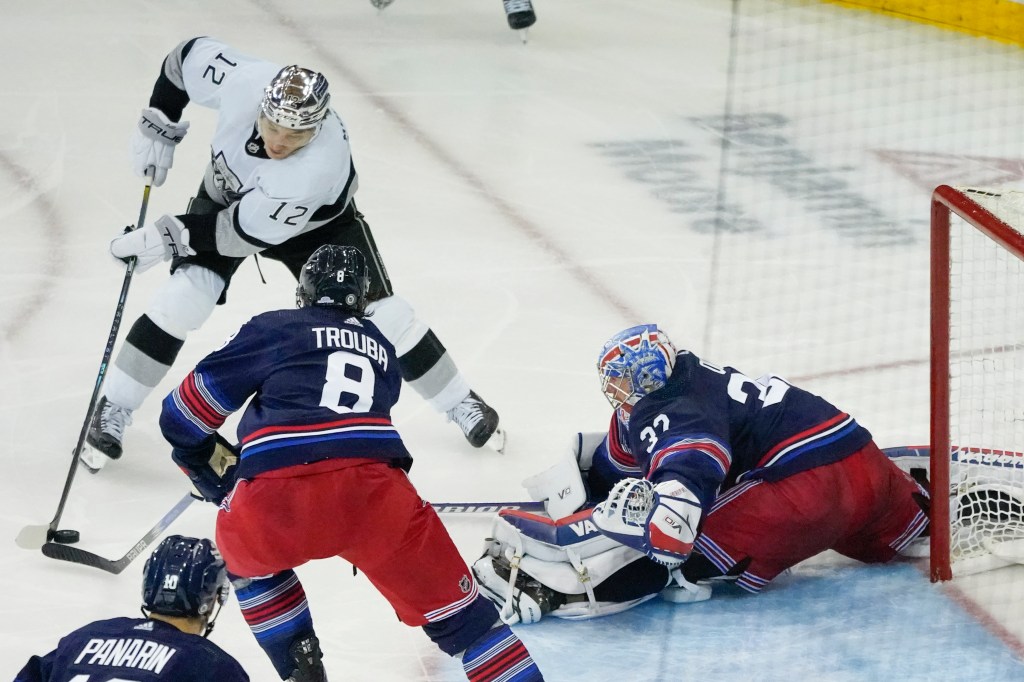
(66, 537)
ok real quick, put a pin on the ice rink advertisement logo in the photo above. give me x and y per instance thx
(761, 153)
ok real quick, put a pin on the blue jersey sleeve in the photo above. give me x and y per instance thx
(37, 669)
(219, 385)
(612, 462)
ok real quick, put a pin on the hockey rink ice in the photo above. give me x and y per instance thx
(530, 201)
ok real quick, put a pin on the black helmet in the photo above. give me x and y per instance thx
(184, 577)
(334, 276)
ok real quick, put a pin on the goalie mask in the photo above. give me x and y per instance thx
(297, 98)
(185, 577)
(334, 276)
(633, 363)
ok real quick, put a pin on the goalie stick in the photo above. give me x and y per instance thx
(531, 506)
(76, 555)
(484, 507)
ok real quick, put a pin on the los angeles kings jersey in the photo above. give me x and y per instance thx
(713, 427)
(322, 386)
(132, 650)
(268, 200)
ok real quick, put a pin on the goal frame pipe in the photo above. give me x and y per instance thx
(947, 200)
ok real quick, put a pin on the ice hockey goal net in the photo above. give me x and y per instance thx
(977, 377)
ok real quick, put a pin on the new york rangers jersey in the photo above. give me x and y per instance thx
(713, 427)
(322, 384)
(133, 649)
(269, 200)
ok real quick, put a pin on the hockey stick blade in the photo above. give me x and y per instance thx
(75, 555)
(484, 507)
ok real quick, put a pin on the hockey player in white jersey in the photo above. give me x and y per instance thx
(280, 184)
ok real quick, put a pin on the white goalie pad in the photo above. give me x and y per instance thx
(567, 544)
(569, 556)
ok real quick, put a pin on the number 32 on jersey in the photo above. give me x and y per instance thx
(769, 388)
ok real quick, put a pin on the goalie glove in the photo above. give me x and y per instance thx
(153, 144)
(659, 520)
(166, 238)
(212, 471)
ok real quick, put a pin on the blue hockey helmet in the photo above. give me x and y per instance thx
(334, 276)
(184, 577)
(633, 363)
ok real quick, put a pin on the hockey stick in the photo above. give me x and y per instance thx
(495, 507)
(75, 555)
(484, 507)
(33, 537)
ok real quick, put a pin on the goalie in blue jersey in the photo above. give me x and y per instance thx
(184, 585)
(321, 472)
(704, 475)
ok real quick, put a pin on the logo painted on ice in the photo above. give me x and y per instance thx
(762, 152)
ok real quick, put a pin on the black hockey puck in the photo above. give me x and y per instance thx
(66, 537)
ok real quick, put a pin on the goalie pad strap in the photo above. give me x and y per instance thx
(577, 566)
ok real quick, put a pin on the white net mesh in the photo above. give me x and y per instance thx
(986, 396)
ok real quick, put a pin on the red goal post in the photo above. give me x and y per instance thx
(977, 380)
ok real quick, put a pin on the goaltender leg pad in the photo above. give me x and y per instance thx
(547, 539)
(569, 556)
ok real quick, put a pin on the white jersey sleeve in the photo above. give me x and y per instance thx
(212, 68)
(268, 201)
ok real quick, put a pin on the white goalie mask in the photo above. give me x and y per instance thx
(296, 98)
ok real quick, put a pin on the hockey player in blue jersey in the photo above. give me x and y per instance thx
(704, 474)
(280, 183)
(184, 585)
(317, 443)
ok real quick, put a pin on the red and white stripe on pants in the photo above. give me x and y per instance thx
(861, 506)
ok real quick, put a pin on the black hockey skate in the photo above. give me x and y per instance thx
(106, 431)
(308, 660)
(478, 421)
(531, 599)
(520, 14)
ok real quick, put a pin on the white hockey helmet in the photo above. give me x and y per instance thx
(296, 98)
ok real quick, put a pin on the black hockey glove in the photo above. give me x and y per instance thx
(211, 468)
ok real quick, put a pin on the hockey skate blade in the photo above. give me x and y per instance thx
(497, 441)
(686, 595)
(32, 537)
(92, 460)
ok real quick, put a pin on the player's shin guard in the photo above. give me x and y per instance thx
(277, 613)
(489, 649)
(499, 655)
